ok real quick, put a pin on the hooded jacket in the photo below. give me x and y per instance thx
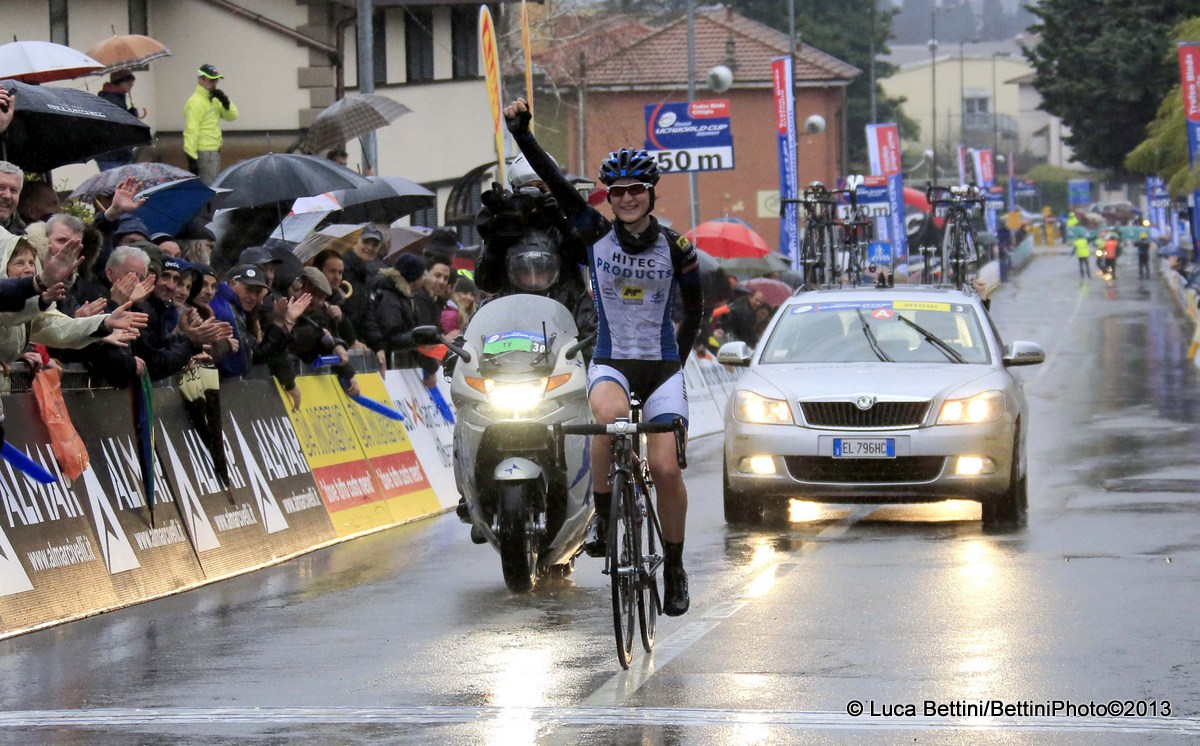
(392, 316)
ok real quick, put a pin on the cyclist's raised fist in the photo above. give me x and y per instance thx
(517, 116)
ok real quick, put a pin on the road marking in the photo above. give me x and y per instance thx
(1052, 356)
(637, 717)
(614, 691)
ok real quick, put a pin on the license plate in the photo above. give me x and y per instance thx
(864, 448)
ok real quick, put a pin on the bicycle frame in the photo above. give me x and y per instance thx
(831, 247)
(959, 249)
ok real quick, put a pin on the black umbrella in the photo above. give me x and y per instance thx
(713, 280)
(52, 127)
(284, 177)
(384, 200)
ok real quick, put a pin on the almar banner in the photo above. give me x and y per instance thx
(785, 127)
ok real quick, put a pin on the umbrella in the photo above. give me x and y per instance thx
(146, 175)
(775, 292)
(384, 200)
(727, 240)
(325, 202)
(52, 127)
(284, 177)
(296, 226)
(772, 262)
(169, 207)
(354, 116)
(407, 238)
(43, 62)
(714, 281)
(127, 50)
(340, 237)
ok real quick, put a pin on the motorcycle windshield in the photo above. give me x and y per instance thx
(510, 336)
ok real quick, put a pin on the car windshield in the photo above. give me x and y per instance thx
(834, 333)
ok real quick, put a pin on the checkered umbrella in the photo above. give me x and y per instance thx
(147, 175)
(353, 116)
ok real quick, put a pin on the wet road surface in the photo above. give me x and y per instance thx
(409, 636)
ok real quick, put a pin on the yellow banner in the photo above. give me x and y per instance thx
(491, 69)
(528, 58)
(919, 305)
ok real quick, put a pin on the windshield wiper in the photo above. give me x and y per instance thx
(935, 340)
(871, 338)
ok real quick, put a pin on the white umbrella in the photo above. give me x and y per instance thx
(43, 62)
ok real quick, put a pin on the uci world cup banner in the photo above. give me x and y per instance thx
(883, 146)
(785, 127)
(1189, 75)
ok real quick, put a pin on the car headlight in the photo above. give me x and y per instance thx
(753, 409)
(985, 407)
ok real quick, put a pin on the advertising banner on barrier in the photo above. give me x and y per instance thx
(704, 413)
(391, 455)
(431, 435)
(345, 480)
(271, 509)
(1189, 78)
(145, 557)
(51, 564)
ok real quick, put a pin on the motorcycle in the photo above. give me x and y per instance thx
(527, 486)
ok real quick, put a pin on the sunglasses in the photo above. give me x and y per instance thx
(636, 190)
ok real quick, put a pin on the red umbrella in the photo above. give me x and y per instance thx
(726, 240)
(775, 292)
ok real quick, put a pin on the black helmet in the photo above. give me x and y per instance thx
(533, 262)
(629, 163)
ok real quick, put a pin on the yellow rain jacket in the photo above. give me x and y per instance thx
(202, 115)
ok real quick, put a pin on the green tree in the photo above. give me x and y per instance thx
(1164, 152)
(1101, 67)
(844, 30)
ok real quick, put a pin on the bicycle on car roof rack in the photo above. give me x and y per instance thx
(958, 254)
(833, 250)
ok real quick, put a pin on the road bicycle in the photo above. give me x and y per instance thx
(832, 249)
(959, 249)
(634, 532)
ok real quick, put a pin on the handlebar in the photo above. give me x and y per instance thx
(960, 194)
(625, 428)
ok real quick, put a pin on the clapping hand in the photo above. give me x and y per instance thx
(126, 320)
(91, 308)
(61, 263)
(124, 199)
(120, 337)
(55, 292)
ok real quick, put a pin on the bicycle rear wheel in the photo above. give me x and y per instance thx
(624, 558)
(648, 597)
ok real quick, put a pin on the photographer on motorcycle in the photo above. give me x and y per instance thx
(524, 233)
(636, 267)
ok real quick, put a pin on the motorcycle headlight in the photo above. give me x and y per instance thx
(753, 409)
(985, 407)
(518, 396)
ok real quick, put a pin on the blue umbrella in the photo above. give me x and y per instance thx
(169, 207)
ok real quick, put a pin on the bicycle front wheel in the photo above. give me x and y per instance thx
(648, 594)
(624, 558)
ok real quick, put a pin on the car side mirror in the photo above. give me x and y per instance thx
(735, 353)
(1024, 353)
(426, 335)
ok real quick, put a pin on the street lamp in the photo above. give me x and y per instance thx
(933, 45)
(995, 104)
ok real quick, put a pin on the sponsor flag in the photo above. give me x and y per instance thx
(785, 128)
(962, 164)
(491, 68)
(883, 146)
(1189, 76)
(985, 177)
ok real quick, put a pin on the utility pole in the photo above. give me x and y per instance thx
(933, 45)
(693, 180)
(366, 74)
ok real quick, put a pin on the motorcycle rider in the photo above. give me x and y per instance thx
(636, 265)
(525, 221)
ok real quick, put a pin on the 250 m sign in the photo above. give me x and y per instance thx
(694, 159)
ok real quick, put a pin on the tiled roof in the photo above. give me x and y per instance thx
(659, 58)
(595, 36)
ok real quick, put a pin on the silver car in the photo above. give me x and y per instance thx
(873, 395)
